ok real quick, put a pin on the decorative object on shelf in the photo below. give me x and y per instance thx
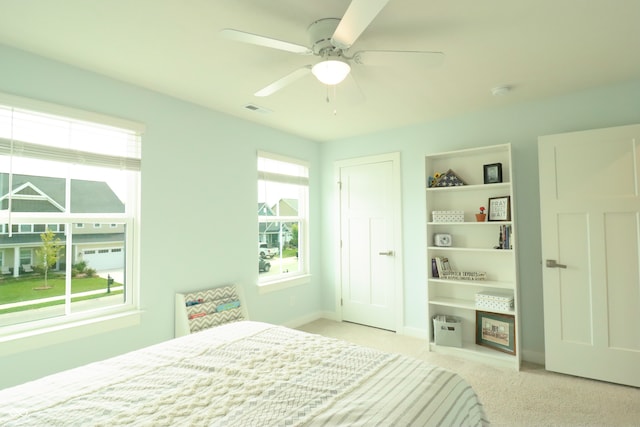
(492, 173)
(494, 301)
(447, 179)
(496, 331)
(464, 275)
(481, 217)
(447, 216)
(442, 239)
(500, 208)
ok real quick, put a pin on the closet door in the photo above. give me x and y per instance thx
(590, 215)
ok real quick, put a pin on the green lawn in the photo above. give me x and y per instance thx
(25, 289)
(289, 252)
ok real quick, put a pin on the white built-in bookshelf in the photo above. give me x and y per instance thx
(476, 247)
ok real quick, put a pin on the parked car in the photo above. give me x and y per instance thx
(267, 252)
(263, 265)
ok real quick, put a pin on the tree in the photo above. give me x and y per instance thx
(294, 236)
(49, 253)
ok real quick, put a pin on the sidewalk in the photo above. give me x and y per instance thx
(78, 306)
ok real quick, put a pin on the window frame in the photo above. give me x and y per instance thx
(282, 281)
(38, 333)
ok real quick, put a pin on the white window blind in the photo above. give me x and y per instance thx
(42, 136)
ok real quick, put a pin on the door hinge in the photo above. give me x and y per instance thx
(340, 185)
(341, 303)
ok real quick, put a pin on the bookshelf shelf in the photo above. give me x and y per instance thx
(461, 249)
(473, 248)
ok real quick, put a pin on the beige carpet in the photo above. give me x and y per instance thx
(531, 397)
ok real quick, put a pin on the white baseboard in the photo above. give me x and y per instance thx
(297, 322)
(414, 332)
(536, 357)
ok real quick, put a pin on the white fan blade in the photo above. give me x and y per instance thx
(356, 19)
(241, 36)
(399, 58)
(285, 81)
(350, 91)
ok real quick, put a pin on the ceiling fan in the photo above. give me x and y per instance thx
(331, 39)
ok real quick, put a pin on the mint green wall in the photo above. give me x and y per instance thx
(199, 206)
(520, 126)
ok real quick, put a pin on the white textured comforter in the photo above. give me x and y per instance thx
(247, 374)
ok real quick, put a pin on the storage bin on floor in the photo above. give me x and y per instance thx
(447, 330)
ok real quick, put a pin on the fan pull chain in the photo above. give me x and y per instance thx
(328, 98)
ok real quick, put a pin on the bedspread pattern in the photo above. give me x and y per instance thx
(273, 376)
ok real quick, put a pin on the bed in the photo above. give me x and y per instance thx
(247, 373)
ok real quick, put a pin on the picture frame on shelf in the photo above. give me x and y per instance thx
(493, 173)
(500, 208)
(496, 331)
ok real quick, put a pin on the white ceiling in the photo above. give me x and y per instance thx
(541, 48)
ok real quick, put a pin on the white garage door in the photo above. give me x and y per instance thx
(104, 258)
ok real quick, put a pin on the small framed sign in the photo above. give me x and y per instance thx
(496, 331)
(500, 208)
(493, 173)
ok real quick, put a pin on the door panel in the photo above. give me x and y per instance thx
(574, 283)
(623, 301)
(593, 170)
(590, 216)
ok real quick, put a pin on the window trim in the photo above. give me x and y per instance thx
(18, 338)
(72, 113)
(43, 332)
(304, 276)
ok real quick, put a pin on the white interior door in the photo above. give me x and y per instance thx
(590, 214)
(371, 288)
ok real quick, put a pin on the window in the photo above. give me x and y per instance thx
(283, 226)
(26, 228)
(57, 170)
(25, 256)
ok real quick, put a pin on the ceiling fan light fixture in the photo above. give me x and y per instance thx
(331, 71)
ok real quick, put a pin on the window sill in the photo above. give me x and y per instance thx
(278, 285)
(20, 341)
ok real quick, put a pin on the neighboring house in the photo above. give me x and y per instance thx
(101, 246)
(286, 207)
(269, 232)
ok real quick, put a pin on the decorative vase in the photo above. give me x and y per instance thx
(481, 217)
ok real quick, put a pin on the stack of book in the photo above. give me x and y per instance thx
(506, 237)
(440, 266)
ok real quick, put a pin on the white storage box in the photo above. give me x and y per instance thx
(447, 330)
(447, 216)
(494, 301)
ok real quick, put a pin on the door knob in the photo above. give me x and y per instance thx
(551, 263)
(386, 253)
